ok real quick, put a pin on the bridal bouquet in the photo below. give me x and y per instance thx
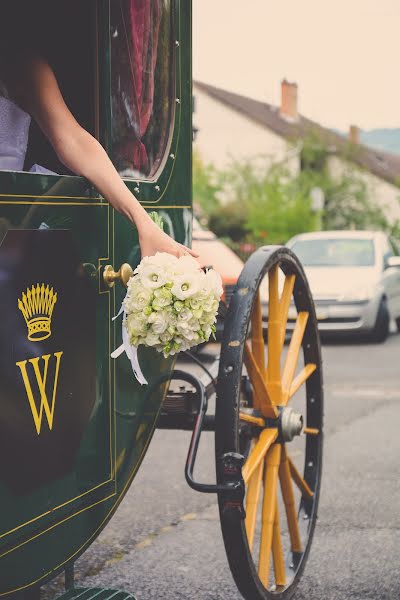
(171, 305)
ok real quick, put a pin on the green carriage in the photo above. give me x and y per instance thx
(75, 424)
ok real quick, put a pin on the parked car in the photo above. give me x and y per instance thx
(355, 280)
(214, 253)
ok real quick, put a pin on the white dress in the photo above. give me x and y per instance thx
(14, 133)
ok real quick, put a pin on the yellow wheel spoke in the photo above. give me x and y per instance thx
(284, 304)
(257, 337)
(252, 499)
(274, 338)
(299, 481)
(289, 501)
(268, 511)
(253, 420)
(310, 431)
(292, 356)
(277, 551)
(266, 439)
(301, 378)
(262, 399)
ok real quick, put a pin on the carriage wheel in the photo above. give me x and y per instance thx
(270, 409)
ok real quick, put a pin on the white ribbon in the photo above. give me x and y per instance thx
(131, 351)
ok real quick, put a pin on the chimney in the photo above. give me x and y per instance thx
(354, 134)
(288, 108)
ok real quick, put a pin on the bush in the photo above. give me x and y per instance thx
(229, 221)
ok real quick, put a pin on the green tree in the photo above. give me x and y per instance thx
(206, 185)
(349, 202)
(269, 204)
(276, 205)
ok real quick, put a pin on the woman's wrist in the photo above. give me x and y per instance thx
(133, 210)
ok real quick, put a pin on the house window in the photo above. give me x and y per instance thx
(142, 84)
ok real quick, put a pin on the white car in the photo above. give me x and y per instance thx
(354, 278)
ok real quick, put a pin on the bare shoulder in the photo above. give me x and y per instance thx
(35, 89)
(29, 78)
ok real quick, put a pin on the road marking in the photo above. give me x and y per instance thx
(383, 392)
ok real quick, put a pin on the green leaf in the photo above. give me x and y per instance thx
(158, 220)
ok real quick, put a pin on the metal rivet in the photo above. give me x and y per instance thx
(177, 44)
(310, 464)
(157, 188)
(312, 400)
(291, 565)
(305, 517)
(229, 369)
(136, 189)
(172, 156)
(178, 101)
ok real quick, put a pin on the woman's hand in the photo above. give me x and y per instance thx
(152, 239)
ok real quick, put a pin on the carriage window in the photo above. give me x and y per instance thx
(143, 81)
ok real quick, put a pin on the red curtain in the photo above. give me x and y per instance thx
(139, 27)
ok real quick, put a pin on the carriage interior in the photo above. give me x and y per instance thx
(141, 78)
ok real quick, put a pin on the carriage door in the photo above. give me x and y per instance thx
(56, 387)
(56, 418)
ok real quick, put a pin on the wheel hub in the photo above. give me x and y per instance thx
(291, 424)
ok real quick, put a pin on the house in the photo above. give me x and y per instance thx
(230, 126)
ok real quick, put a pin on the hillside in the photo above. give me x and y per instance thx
(382, 139)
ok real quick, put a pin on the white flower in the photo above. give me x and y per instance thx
(185, 315)
(136, 324)
(153, 276)
(194, 324)
(207, 331)
(189, 335)
(163, 259)
(152, 339)
(160, 259)
(167, 336)
(187, 264)
(198, 313)
(196, 301)
(159, 321)
(162, 298)
(213, 283)
(138, 299)
(185, 286)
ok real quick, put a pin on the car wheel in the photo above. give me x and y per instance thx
(380, 331)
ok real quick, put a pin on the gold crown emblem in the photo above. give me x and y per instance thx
(37, 307)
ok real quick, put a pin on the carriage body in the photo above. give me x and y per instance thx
(67, 459)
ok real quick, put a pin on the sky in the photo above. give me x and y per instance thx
(343, 54)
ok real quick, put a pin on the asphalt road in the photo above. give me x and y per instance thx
(165, 541)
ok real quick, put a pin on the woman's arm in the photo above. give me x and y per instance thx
(36, 89)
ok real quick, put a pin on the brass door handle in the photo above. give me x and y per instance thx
(123, 275)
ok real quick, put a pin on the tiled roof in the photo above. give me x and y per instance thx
(382, 164)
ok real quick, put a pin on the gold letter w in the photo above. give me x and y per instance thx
(41, 381)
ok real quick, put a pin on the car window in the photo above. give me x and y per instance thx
(334, 252)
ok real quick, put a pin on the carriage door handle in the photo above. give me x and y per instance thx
(123, 275)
